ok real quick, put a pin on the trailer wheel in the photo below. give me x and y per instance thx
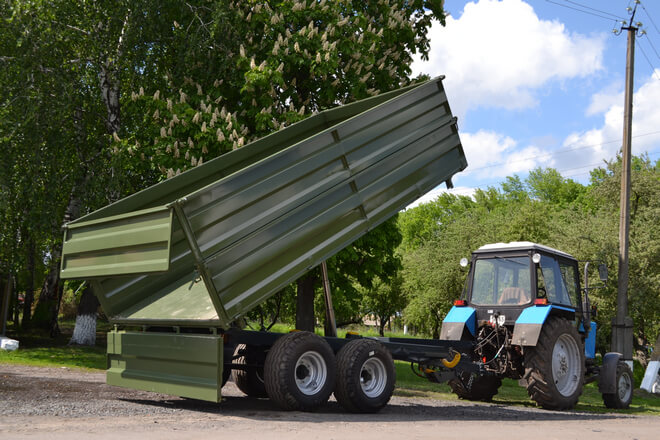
(624, 388)
(251, 380)
(479, 388)
(228, 352)
(554, 368)
(365, 376)
(299, 373)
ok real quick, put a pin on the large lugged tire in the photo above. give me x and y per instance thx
(299, 373)
(251, 380)
(554, 368)
(624, 388)
(481, 388)
(365, 376)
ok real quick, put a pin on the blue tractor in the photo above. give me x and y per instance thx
(528, 319)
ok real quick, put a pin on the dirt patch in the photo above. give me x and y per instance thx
(61, 403)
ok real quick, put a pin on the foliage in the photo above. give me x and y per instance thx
(384, 300)
(231, 72)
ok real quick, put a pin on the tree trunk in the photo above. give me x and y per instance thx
(84, 332)
(382, 322)
(29, 289)
(305, 303)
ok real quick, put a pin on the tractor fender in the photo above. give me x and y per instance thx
(457, 320)
(530, 322)
(607, 374)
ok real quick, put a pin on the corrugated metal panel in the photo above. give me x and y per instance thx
(132, 243)
(182, 365)
(263, 225)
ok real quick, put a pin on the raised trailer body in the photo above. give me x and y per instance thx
(192, 254)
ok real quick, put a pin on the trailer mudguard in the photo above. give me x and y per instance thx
(456, 321)
(607, 374)
(530, 322)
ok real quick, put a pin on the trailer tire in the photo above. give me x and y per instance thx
(482, 388)
(227, 354)
(299, 373)
(624, 388)
(365, 376)
(251, 380)
(554, 368)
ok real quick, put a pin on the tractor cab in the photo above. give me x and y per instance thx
(515, 285)
(507, 278)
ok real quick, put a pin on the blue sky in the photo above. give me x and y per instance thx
(537, 83)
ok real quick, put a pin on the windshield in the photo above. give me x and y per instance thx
(502, 281)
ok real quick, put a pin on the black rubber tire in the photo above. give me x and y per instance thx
(365, 376)
(283, 376)
(482, 388)
(542, 386)
(249, 381)
(622, 398)
(228, 352)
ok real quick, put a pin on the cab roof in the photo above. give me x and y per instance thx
(521, 246)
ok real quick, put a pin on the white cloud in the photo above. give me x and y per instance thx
(604, 142)
(499, 52)
(603, 100)
(490, 154)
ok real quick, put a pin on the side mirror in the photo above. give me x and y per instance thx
(602, 272)
(464, 262)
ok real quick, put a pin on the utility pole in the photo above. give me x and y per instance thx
(622, 325)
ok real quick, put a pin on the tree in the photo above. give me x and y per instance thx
(384, 300)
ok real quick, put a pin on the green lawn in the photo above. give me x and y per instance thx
(409, 384)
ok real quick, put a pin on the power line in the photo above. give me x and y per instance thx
(652, 47)
(650, 18)
(562, 151)
(581, 10)
(501, 180)
(649, 61)
(594, 9)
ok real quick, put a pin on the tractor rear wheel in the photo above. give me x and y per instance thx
(554, 368)
(479, 388)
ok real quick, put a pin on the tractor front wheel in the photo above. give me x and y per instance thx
(475, 388)
(622, 396)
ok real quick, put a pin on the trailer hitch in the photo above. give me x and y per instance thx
(453, 362)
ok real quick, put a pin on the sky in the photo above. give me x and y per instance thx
(540, 83)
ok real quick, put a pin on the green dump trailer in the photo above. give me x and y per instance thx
(176, 265)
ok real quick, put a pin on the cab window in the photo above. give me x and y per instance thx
(501, 281)
(554, 282)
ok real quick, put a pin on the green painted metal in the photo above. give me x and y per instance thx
(125, 244)
(248, 223)
(187, 365)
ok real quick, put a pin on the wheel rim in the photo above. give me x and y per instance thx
(624, 387)
(373, 377)
(311, 373)
(566, 365)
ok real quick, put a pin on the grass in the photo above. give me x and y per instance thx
(39, 350)
(510, 393)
